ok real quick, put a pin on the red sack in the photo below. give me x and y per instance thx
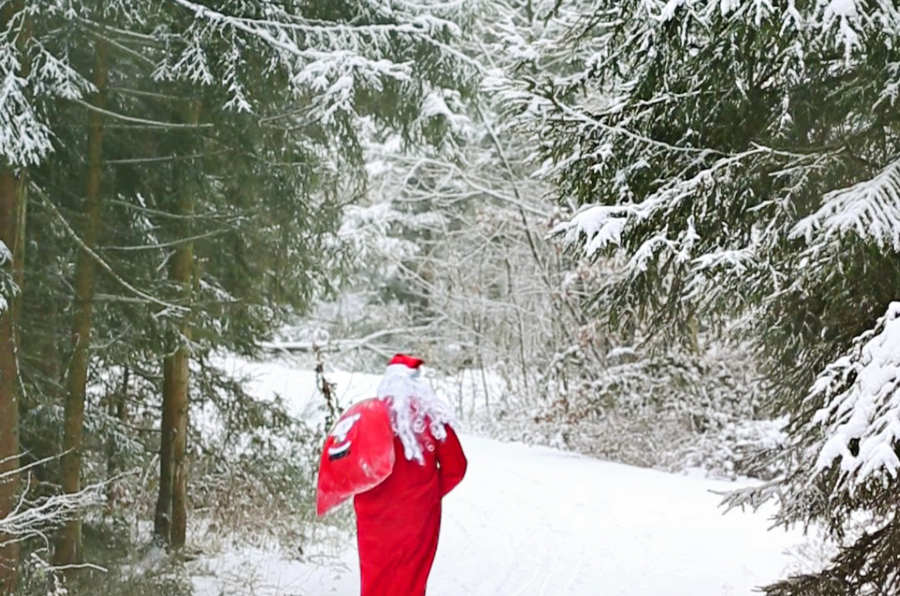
(358, 454)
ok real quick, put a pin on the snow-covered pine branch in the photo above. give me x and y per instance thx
(870, 210)
(31, 77)
(861, 412)
(329, 56)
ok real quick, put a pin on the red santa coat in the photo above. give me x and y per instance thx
(398, 521)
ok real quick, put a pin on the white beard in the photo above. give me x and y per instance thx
(412, 405)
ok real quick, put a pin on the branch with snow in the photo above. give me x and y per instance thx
(32, 78)
(35, 518)
(326, 61)
(599, 225)
(869, 209)
(861, 393)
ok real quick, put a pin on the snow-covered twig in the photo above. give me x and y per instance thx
(32, 519)
(160, 245)
(344, 345)
(17, 471)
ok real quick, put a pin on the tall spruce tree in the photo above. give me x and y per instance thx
(307, 73)
(743, 158)
(33, 78)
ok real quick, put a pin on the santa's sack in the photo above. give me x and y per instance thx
(358, 454)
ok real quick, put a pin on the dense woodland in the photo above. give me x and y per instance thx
(670, 228)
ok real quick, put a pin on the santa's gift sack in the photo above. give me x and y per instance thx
(358, 454)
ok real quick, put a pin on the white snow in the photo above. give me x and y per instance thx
(602, 225)
(535, 521)
(844, 8)
(297, 386)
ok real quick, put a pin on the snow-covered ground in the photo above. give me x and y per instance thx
(534, 521)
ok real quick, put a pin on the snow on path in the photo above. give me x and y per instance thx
(535, 521)
(531, 521)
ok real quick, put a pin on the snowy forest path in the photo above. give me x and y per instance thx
(533, 521)
(541, 522)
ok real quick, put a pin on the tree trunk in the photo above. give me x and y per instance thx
(68, 548)
(13, 201)
(162, 521)
(116, 411)
(171, 506)
(12, 205)
(180, 375)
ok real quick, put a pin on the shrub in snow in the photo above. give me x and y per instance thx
(673, 411)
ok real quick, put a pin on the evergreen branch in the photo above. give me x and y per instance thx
(170, 244)
(584, 118)
(143, 37)
(868, 567)
(162, 158)
(142, 121)
(870, 209)
(150, 94)
(204, 12)
(861, 393)
(104, 265)
(125, 49)
(166, 214)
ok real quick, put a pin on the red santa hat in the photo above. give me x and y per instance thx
(404, 363)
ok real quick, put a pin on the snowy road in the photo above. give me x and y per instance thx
(529, 521)
(533, 521)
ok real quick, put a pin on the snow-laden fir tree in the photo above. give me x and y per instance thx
(741, 159)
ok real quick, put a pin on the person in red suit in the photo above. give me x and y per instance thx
(399, 520)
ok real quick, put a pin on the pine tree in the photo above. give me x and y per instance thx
(741, 159)
(357, 52)
(24, 140)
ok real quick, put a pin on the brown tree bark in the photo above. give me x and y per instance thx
(179, 401)
(12, 206)
(116, 409)
(68, 548)
(13, 202)
(170, 523)
(171, 506)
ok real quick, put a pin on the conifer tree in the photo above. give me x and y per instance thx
(741, 157)
(33, 77)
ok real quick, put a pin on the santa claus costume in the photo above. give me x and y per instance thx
(398, 521)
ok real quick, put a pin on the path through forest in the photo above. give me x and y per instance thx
(533, 521)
